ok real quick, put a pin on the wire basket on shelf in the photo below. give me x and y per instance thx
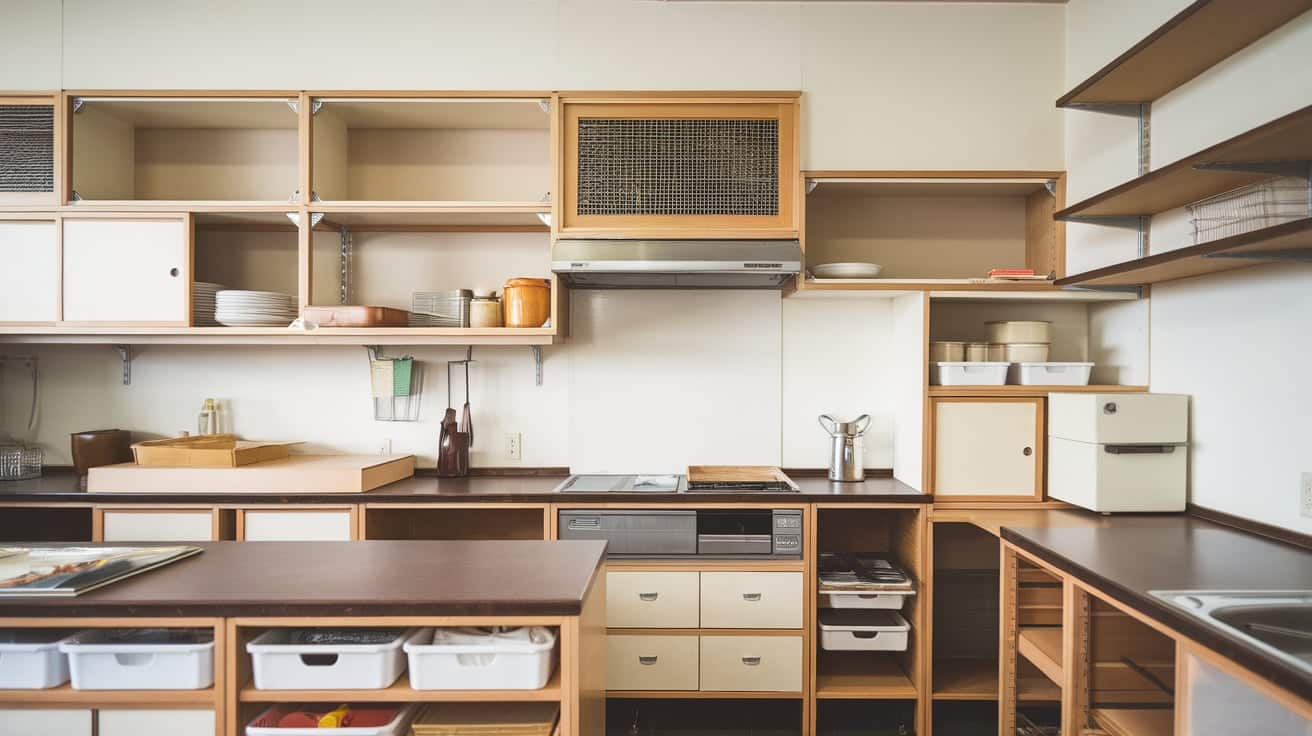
(1238, 211)
(20, 462)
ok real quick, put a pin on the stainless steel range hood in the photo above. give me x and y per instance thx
(676, 264)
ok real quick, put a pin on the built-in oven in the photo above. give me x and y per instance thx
(723, 533)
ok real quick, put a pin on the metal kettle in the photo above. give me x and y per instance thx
(845, 460)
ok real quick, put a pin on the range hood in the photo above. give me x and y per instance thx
(676, 264)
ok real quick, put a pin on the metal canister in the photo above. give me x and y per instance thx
(846, 460)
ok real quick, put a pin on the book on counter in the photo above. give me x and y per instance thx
(42, 571)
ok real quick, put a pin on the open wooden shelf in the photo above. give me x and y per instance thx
(861, 675)
(1287, 138)
(702, 695)
(65, 695)
(1042, 647)
(1198, 260)
(1135, 721)
(977, 679)
(993, 391)
(401, 692)
(1191, 42)
(434, 216)
(281, 335)
(957, 290)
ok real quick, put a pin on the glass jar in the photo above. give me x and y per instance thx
(485, 310)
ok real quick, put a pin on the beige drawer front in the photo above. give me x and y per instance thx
(651, 662)
(45, 722)
(297, 526)
(158, 526)
(170, 722)
(751, 663)
(653, 600)
(751, 600)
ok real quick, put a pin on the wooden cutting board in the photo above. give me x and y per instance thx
(295, 474)
(734, 474)
(207, 451)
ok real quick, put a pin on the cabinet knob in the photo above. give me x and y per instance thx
(1028, 451)
(174, 272)
(648, 596)
(647, 660)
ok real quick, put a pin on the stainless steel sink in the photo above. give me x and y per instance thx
(1278, 622)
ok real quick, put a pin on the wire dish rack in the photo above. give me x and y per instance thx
(1238, 211)
(19, 462)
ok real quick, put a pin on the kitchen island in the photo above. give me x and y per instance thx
(239, 591)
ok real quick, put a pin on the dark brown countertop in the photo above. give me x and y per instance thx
(64, 487)
(376, 578)
(1126, 557)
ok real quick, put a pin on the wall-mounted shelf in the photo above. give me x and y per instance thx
(280, 335)
(1191, 42)
(1287, 240)
(436, 216)
(1285, 140)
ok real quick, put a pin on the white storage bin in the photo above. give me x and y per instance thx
(30, 659)
(479, 659)
(1053, 374)
(140, 659)
(953, 373)
(863, 631)
(264, 724)
(888, 600)
(282, 660)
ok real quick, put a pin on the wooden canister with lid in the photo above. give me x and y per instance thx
(526, 302)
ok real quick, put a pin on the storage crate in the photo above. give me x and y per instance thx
(1052, 374)
(1250, 208)
(888, 600)
(30, 659)
(952, 373)
(863, 631)
(141, 659)
(265, 724)
(482, 659)
(299, 659)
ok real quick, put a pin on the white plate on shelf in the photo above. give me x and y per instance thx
(851, 270)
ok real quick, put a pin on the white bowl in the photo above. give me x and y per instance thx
(847, 270)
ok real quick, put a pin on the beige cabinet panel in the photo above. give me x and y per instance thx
(297, 526)
(751, 600)
(163, 722)
(987, 448)
(29, 276)
(651, 662)
(126, 270)
(751, 663)
(655, 600)
(158, 526)
(45, 722)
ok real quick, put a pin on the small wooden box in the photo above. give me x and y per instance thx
(207, 451)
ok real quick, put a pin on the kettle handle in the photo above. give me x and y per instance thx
(864, 421)
(831, 428)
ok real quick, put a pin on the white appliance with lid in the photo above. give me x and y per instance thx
(1118, 452)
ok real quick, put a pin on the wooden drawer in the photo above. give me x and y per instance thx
(751, 663)
(170, 722)
(651, 662)
(158, 526)
(45, 722)
(654, 600)
(751, 600)
(296, 526)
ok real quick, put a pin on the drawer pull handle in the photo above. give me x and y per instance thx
(647, 660)
(751, 661)
(648, 596)
(751, 596)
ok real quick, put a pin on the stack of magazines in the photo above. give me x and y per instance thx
(70, 571)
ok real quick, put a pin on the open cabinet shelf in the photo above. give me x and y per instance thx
(861, 676)
(503, 217)
(1191, 42)
(1030, 390)
(401, 692)
(280, 335)
(1042, 647)
(1135, 721)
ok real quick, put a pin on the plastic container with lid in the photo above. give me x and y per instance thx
(947, 350)
(526, 302)
(485, 310)
(1020, 331)
(850, 630)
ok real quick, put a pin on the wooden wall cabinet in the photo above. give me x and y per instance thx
(986, 449)
(722, 167)
(127, 270)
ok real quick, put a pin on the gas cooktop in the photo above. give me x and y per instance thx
(667, 484)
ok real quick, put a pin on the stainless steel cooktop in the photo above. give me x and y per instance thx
(663, 484)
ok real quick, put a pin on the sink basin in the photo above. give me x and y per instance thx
(1278, 622)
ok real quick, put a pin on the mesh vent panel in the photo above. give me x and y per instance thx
(27, 148)
(678, 167)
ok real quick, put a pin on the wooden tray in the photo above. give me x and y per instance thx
(295, 474)
(207, 451)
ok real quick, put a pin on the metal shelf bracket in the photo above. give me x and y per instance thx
(344, 272)
(543, 105)
(125, 355)
(812, 185)
(1051, 186)
(315, 106)
(1136, 290)
(78, 102)
(537, 364)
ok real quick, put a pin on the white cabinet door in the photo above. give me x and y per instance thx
(163, 722)
(987, 448)
(127, 270)
(158, 526)
(297, 526)
(29, 276)
(45, 722)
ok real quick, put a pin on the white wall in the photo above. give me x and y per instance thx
(1227, 340)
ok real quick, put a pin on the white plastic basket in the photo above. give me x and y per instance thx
(1053, 374)
(953, 373)
(1249, 208)
(863, 631)
(281, 664)
(396, 727)
(888, 600)
(142, 659)
(479, 659)
(30, 659)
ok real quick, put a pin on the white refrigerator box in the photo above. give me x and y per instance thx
(1118, 452)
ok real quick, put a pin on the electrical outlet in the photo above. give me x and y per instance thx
(514, 445)
(1305, 503)
(385, 448)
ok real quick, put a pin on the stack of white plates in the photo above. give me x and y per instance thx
(203, 303)
(849, 270)
(254, 308)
